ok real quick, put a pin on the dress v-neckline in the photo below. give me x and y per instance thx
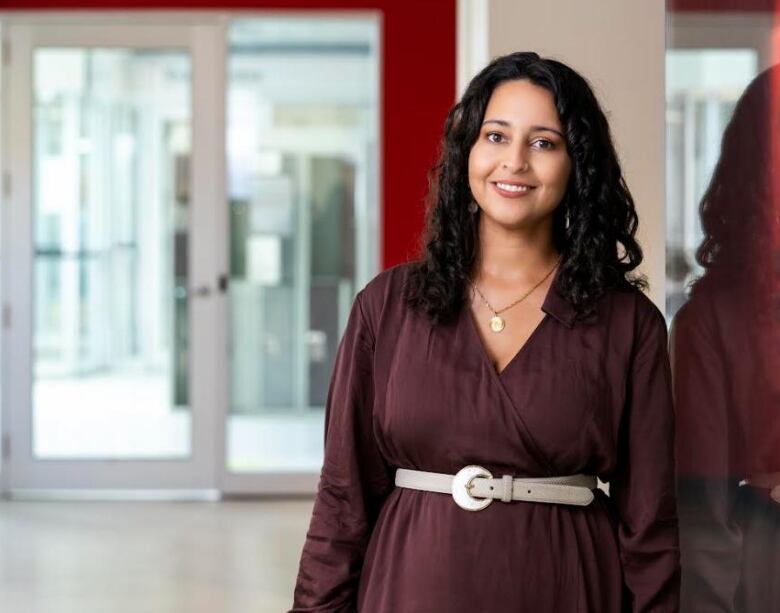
(486, 356)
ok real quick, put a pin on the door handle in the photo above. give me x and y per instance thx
(201, 292)
(204, 291)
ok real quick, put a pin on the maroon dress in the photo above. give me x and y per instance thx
(726, 357)
(588, 397)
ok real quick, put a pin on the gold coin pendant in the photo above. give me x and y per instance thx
(496, 323)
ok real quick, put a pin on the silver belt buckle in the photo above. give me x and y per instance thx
(461, 488)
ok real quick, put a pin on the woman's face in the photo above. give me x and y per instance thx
(520, 143)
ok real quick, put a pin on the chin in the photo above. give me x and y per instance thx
(511, 221)
(512, 212)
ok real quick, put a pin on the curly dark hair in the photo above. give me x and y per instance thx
(595, 215)
(738, 215)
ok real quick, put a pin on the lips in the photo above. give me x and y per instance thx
(512, 189)
(511, 182)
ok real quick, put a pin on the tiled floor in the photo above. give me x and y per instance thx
(149, 557)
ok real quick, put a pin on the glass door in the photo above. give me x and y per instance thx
(190, 211)
(112, 267)
(303, 142)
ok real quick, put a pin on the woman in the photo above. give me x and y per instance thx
(478, 391)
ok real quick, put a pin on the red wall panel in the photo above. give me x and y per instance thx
(418, 88)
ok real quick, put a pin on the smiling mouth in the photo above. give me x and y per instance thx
(512, 188)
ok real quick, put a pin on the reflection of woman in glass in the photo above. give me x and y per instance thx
(725, 343)
(478, 391)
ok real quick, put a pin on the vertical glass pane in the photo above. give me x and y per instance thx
(723, 100)
(702, 88)
(111, 145)
(302, 165)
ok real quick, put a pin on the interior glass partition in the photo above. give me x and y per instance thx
(302, 142)
(111, 145)
(702, 88)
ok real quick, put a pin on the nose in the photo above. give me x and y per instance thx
(515, 160)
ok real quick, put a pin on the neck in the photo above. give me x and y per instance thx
(514, 256)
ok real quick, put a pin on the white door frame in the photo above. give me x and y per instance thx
(197, 476)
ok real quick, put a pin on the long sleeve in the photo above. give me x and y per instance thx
(710, 536)
(643, 486)
(354, 479)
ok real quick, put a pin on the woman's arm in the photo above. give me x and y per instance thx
(643, 487)
(354, 480)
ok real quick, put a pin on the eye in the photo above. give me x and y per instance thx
(548, 144)
(489, 134)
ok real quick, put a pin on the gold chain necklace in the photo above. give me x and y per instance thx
(498, 323)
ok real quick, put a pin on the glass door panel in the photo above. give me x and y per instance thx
(113, 238)
(111, 145)
(302, 141)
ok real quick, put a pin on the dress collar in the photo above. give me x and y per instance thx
(557, 305)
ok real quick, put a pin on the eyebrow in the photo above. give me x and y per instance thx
(506, 124)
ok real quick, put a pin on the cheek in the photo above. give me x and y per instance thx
(557, 174)
(479, 163)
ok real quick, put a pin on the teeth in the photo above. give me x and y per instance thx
(513, 188)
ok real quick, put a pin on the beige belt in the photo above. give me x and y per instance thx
(474, 488)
